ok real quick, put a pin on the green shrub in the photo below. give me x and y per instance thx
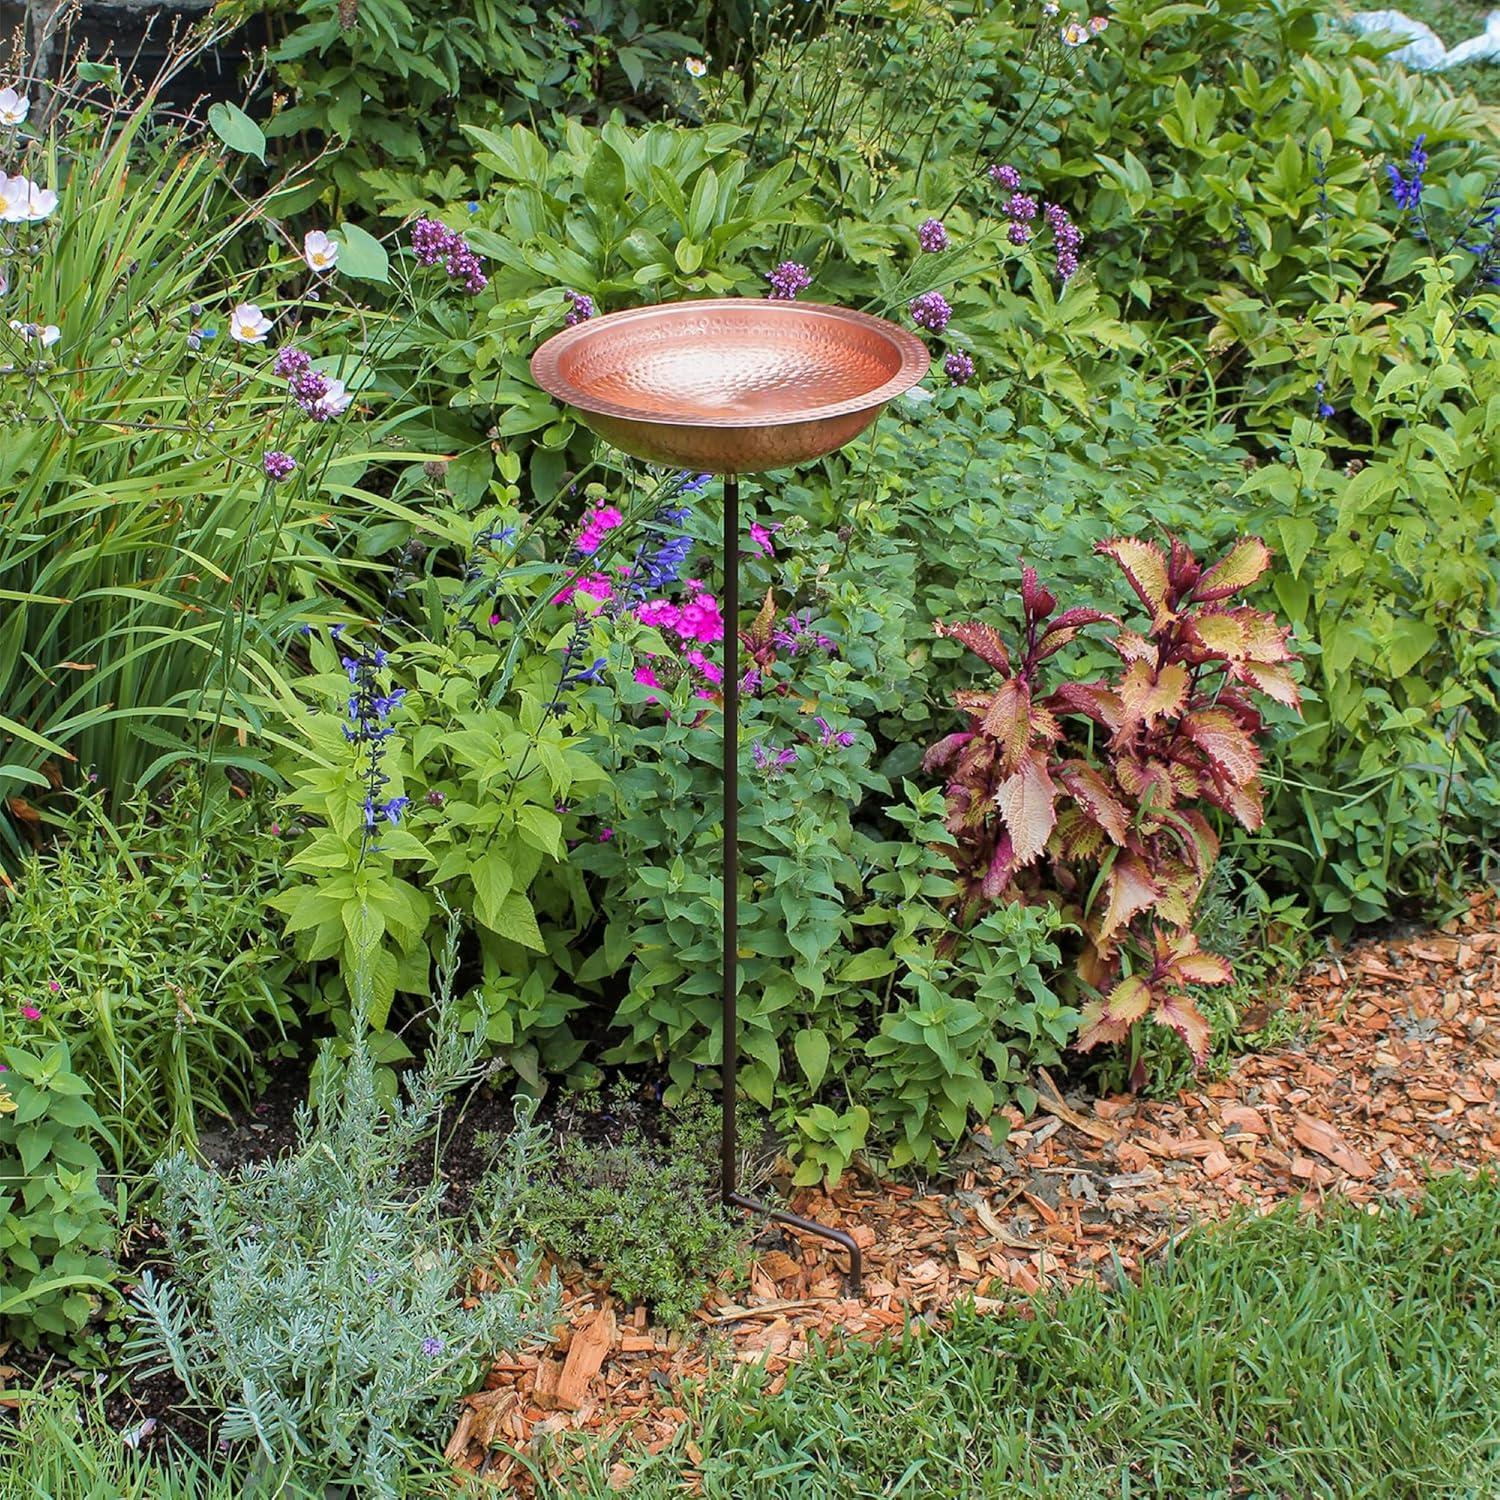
(56, 1227)
(313, 1301)
(141, 943)
(643, 1208)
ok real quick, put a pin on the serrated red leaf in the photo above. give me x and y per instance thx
(1228, 748)
(1244, 803)
(1178, 1012)
(1129, 1000)
(1096, 797)
(1035, 600)
(1066, 626)
(1145, 569)
(1131, 890)
(1147, 695)
(1265, 640)
(1182, 569)
(1148, 782)
(1202, 968)
(1028, 805)
(1217, 635)
(1235, 571)
(1093, 700)
(1133, 646)
(1097, 1026)
(1001, 867)
(1007, 721)
(941, 755)
(1077, 837)
(983, 640)
(1274, 681)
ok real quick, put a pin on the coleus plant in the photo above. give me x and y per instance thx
(1092, 795)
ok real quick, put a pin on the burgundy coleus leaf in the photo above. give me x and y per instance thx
(941, 755)
(1148, 782)
(1035, 600)
(1007, 721)
(1235, 571)
(1133, 646)
(1095, 797)
(1077, 837)
(1131, 890)
(1110, 1019)
(983, 640)
(1216, 635)
(1182, 570)
(1028, 804)
(1245, 804)
(1148, 695)
(1178, 1012)
(1274, 681)
(1179, 884)
(1092, 700)
(1066, 626)
(1001, 867)
(1145, 569)
(1265, 640)
(1228, 749)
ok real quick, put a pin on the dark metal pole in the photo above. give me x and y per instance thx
(729, 1139)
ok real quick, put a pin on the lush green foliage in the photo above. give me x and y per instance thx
(642, 1207)
(55, 1224)
(311, 1300)
(141, 941)
(1346, 1357)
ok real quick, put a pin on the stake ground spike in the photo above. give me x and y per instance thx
(730, 781)
(733, 385)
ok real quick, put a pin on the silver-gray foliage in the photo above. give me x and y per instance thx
(315, 1300)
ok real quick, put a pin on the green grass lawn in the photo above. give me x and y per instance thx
(1278, 1357)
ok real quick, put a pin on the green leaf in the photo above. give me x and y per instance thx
(237, 130)
(363, 257)
(493, 878)
(811, 1048)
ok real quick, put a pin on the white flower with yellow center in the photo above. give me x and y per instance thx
(696, 67)
(320, 252)
(22, 200)
(13, 108)
(46, 334)
(248, 324)
(1074, 35)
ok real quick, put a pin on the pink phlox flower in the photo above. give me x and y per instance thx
(701, 619)
(31, 1013)
(596, 526)
(660, 614)
(647, 678)
(710, 670)
(595, 585)
(761, 536)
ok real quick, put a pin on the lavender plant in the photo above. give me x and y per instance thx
(312, 1303)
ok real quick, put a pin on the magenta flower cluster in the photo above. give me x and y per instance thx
(432, 242)
(958, 367)
(580, 308)
(930, 310)
(1005, 177)
(278, 465)
(787, 280)
(1021, 210)
(1066, 240)
(932, 236)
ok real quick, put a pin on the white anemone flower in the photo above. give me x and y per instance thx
(22, 200)
(332, 403)
(248, 324)
(320, 252)
(696, 67)
(13, 108)
(46, 334)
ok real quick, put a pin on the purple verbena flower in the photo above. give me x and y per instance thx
(1005, 177)
(1019, 234)
(1021, 207)
(278, 465)
(930, 310)
(958, 367)
(932, 236)
(290, 361)
(787, 280)
(431, 241)
(581, 310)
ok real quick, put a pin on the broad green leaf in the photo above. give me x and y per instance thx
(237, 130)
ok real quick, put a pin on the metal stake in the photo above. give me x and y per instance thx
(729, 1140)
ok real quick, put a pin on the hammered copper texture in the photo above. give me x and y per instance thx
(730, 385)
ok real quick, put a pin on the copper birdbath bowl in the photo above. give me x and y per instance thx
(733, 386)
(730, 385)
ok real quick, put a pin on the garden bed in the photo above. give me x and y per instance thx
(1397, 1079)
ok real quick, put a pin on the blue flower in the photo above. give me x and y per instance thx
(594, 673)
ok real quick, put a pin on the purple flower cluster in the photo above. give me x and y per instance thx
(932, 236)
(278, 465)
(581, 308)
(1066, 240)
(772, 761)
(1407, 192)
(787, 280)
(432, 242)
(833, 739)
(958, 367)
(930, 310)
(290, 361)
(1005, 177)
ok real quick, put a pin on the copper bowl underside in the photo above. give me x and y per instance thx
(730, 385)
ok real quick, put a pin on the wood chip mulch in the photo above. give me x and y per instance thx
(1396, 1079)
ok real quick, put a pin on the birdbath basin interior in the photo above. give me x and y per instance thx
(732, 385)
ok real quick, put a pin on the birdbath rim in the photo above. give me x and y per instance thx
(913, 356)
